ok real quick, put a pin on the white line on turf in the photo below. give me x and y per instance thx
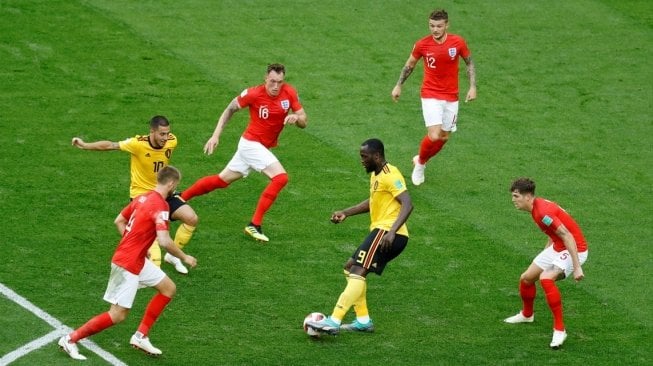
(60, 329)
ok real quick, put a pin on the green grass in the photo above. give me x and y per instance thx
(565, 97)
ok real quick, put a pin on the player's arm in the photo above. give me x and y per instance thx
(297, 118)
(471, 75)
(405, 211)
(96, 145)
(405, 73)
(121, 223)
(226, 115)
(166, 242)
(340, 216)
(570, 244)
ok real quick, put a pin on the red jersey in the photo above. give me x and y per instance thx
(142, 215)
(549, 216)
(267, 113)
(440, 65)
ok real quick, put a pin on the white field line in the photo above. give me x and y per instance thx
(60, 329)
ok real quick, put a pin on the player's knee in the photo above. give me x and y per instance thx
(191, 220)
(169, 290)
(281, 179)
(526, 279)
(348, 264)
(118, 315)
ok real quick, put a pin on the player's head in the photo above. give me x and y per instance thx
(522, 191)
(159, 131)
(438, 23)
(372, 155)
(168, 177)
(274, 79)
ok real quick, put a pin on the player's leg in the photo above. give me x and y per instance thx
(120, 293)
(527, 289)
(154, 253)
(234, 170)
(261, 159)
(362, 323)
(152, 276)
(278, 180)
(181, 211)
(432, 111)
(527, 292)
(357, 266)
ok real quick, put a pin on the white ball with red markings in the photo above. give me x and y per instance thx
(316, 317)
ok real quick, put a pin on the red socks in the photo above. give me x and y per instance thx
(428, 148)
(527, 293)
(203, 185)
(95, 325)
(152, 312)
(555, 302)
(268, 197)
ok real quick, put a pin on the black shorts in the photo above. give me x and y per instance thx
(175, 201)
(369, 254)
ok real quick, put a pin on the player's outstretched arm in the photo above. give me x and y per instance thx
(97, 145)
(226, 115)
(405, 73)
(471, 75)
(340, 216)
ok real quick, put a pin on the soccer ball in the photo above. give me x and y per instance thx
(316, 317)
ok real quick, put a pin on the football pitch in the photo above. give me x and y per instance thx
(565, 94)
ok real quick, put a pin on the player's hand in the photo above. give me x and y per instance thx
(190, 260)
(386, 241)
(338, 217)
(291, 119)
(578, 274)
(78, 142)
(210, 145)
(471, 95)
(396, 93)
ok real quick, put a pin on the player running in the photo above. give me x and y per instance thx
(269, 112)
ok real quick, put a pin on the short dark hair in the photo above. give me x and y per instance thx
(523, 185)
(168, 174)
(158, 121)
(375, 146)
(278, 68)
(439, 14)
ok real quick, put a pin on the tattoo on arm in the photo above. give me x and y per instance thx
(405, 73)
(471, 71)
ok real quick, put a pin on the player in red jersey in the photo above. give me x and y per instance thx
(440, 51)
(139, 223)
(269, 106)
(564, 254)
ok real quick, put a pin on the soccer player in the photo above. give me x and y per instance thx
(563, 255)
(150, 153)
(269, 106)
(139, 223)
(440, 51)
(389, 206)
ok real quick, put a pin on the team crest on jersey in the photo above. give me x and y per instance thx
(285, 104)
(398, 184)
(452, 52)
(547, 220)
